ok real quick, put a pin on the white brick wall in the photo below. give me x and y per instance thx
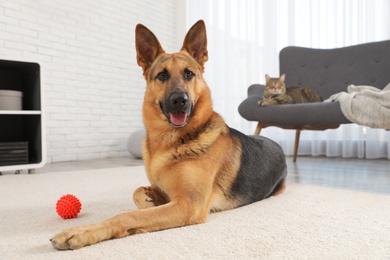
(94, 87)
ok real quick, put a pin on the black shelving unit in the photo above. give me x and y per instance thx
(25, 126)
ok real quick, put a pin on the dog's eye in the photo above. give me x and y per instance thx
(188, 75)
(162, 76)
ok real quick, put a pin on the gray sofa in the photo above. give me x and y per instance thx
(329, 71)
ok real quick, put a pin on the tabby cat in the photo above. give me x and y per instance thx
(275, 92)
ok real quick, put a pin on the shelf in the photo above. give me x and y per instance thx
(20, 112)
(26, 125)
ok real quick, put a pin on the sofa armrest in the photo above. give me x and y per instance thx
(256, 90)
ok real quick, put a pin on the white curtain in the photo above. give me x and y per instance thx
(244, 40)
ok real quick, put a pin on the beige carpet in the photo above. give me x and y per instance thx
(306, 222)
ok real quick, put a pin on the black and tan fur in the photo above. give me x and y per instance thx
(195, 163)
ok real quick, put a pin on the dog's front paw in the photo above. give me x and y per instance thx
(74, 238)
(147, 197)
(142, 198)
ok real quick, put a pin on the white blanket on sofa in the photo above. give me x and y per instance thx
(365, 105)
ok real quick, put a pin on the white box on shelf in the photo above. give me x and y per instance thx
(11, 100)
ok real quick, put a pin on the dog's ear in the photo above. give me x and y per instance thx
(195, 42)
(147, 46)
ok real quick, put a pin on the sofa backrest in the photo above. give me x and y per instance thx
(331, 71)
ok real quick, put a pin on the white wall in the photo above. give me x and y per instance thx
(93, 85)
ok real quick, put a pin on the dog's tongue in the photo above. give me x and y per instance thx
(178, 118)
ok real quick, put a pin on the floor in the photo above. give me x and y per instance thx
(356, 174)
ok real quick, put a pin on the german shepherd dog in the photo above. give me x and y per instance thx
(195, 163)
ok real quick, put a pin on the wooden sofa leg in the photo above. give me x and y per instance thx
(297, 135)
(258, 128)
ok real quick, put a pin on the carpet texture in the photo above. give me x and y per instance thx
(306, 222)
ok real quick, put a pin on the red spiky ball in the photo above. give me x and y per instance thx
(68, 206)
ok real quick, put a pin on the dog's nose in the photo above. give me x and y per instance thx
(178, 100)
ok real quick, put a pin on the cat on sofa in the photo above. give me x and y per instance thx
(275, 92)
